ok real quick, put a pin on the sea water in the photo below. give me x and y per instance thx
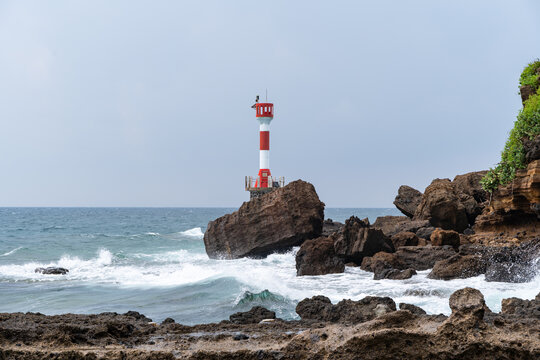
(153, 260)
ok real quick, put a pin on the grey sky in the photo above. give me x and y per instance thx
(132, 103)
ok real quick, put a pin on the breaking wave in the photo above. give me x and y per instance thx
(195, 232)
(12, 251)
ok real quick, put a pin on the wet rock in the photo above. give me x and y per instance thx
(317, 257)
(467, 300)
(522, 308)
(405, 238)
(458, 267)
(168, 321)
(238, 337)
(253, 316)
(358, 240)
(138, 316)
(412, 308)
(425, 232)
(423, 257)
(442, 206)
(391, 225)
(51, 271)
(441, 237)
(390, 260)
(382, 272)
(276, 221)
(346, 311)
(407, 200)
(330, 226)
(510, 272)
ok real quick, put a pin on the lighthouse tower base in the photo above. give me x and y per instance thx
(253, 194)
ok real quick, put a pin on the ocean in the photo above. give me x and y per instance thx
(152, 260)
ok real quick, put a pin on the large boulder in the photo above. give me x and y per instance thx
(358, 240)
(407, 200)
(442, 206)
(276, 221)
(469, 184)
(458, 267)
(320, 308)
(317, 257)
(423, 257)
(391, 225)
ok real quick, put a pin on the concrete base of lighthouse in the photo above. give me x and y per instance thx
(253, 194)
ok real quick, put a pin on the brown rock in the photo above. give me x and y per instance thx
(425, 232)
(526, 91)
(273, 222)
(405, 238)
(442, 206)
(469, 184)
(408, 200)
(412, 308)
(441, 237)
(330, 226)
(358, 240)
(317, 257)
(458, 267)
(423, 257)
(391, 225)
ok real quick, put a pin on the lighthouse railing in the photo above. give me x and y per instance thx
(254, 182)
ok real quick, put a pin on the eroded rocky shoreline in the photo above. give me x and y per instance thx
(371, 328)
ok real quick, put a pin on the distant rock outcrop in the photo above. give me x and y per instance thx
(276, 221)
(408, 200)
(358, 240)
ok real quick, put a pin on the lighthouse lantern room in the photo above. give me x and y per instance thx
(264, 182)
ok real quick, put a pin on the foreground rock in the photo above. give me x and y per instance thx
(51, 270)
(358, 240)
(370, 327)
(320, 308)
(277, 221)
(253, 316)
(408, 200)
(317, 257)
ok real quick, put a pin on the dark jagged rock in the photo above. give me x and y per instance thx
(425, 232)
(510, 272)
(358, 240)
(458, 267)
(320, 308)
(405, 238)
(412, 308)
(442, 206)
(276, 221)
(407, 200)
(441, 237)
(391, 225)
(330, 226)
(380, 271)
(522, 308)
(469, 184)
(253, 316)
(317, 257)
(423, 257)
(51, 271)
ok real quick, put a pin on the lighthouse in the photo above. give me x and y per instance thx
(264, 182)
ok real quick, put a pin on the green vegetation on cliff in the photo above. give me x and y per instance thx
(526, 127)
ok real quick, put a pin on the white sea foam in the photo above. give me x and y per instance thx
(276, 273)
(12, 251)
(195, 232)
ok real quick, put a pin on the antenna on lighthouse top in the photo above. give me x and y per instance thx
(266, 95)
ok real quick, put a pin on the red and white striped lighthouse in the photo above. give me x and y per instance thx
(264, 182)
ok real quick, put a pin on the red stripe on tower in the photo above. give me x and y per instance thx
(265, 140)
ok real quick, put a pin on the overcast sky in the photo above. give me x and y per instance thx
(147, 103)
